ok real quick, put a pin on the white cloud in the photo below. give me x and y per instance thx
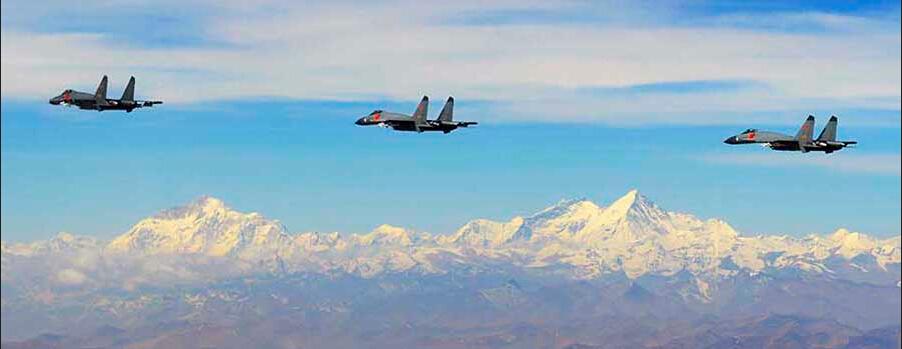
(879, 164)
(534, 71)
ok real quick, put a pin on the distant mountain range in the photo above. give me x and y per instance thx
(575, 261)
(575, 237)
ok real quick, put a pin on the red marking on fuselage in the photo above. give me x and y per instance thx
(67, 97)
(377, 116)
(752, 136)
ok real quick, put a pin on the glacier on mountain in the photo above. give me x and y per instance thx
(573, 238)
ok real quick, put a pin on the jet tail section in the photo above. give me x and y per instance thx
(101, 89)
(806, 132)
(829, 132)
(447, 112)
(129, 93)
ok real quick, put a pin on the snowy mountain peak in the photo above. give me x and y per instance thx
(65, 237)
(565, 207)
(207, 206)
(206, 226)
(204, 206)
(850, 244)
(632, 204)
(387, 235)
(318, 242)
(843, 234)
(628, 199)
(485, 233)
(62, 242)
(67, 241)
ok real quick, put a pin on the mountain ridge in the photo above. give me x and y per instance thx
(631, 265)
(631, 235)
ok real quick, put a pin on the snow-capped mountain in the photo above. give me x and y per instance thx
(61, 243)
(207, 227)
(577, 238)
(635, 236)
(485, 233)
(387, 235)
(630, 219)
(576, 262)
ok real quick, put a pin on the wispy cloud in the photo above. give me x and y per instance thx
(877, 164)
(517, 55)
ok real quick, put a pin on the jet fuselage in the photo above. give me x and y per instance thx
(774, 140)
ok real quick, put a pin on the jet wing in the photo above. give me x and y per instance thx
(455, 123)
(398, 122)
(403, 125)
(784, 143)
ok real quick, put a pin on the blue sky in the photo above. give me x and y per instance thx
(261, 100)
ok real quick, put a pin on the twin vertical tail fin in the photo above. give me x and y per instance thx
(129, 94)
(829, 132)
(101, 89)
(806, 132)
(447, 113)
(419, 116)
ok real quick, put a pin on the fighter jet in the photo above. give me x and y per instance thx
(98, 101)
(418, 121)
(825, 142)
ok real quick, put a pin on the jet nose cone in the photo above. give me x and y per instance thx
(361, 121)
(55, 101)
(731, 140)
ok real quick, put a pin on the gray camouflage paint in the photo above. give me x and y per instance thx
(417, 122)
(99, 102)
(825, 142)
